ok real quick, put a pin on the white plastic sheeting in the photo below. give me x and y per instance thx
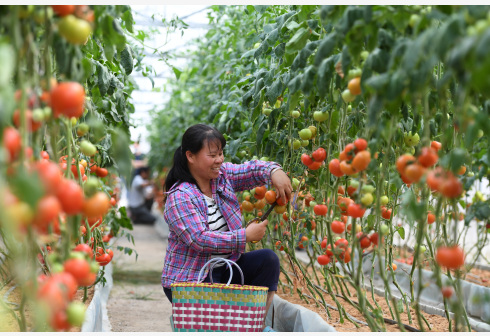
(289, 317)
(96, 319)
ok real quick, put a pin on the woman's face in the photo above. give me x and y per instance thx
(205, 164)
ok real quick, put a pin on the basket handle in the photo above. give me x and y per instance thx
(228, 262)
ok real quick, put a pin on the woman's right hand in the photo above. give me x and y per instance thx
(255, 231)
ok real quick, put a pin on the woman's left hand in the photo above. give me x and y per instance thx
(282, 183)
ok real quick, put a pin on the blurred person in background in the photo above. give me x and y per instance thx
(137, 200)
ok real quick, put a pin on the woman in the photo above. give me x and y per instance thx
(203, 213)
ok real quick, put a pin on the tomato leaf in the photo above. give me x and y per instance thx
(298, 41)
(126, 59)
(325, 48)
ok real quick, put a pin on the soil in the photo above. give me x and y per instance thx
(437, 323)
(8, 322)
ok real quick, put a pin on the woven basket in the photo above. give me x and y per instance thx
(218, 307)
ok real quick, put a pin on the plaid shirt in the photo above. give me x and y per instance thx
(190, 242)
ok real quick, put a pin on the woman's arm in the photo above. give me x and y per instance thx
(250, 174)
(189, 225)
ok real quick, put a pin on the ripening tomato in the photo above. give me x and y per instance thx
(343, 203)
(85, 249)
(323, 259)
(68, 281)
(451, 257)
(354, 86)
(349, 151)
(374, 238)
(334, 167)
(337, 226)
(434, 178)
(436, 145)
(68, 99)
(71, 197)
(414, 172)
(260, 204)
(361, 160)
(270, 196)
(320, 154)
(31, 124)
(403, 161)
(97, 205)
(114, 202)
(320, 209)
(303, 239)
(347, 168)
(279, 246)
(431, 218)
(260, 192)
(247, 206)
(54, 294)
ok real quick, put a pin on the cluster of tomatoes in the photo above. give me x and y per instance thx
(353, 159)
(75, 23)
(315, 160)
(262, 198)
(412, 169)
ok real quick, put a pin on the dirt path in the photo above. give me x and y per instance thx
(137, 302)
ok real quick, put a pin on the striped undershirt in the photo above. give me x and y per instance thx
(216, 223)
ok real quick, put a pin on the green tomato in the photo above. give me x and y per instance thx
(57, 268)
(47, 112)
(88, 148)
(320, 116)
(255, 157)
(349, 108)
(367, 188)
(295, 114)
(305, 134)
(354, 183)
(241, 154)
(364, 55)
(296, 144)
(264, 158)
(91, 186)
(76, 255)
(480, 133)
(256, 45)
(367, 199)
(384, 200)
(304, 143)
(295, 183)
(347, 96)
(384, 229)
(312, 204)
(38, 114)
(73, 121)
(266, 111)
(74, 30)
(75, 312)
(414, 20)
(423, 249)
(353, 73)
(411, 140)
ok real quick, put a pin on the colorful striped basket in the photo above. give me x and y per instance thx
(218, 307)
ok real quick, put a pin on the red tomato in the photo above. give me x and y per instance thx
(436, 145)
(447, 291)
(320, 154)
(337, 226)
(323, 259)
(54, 294)
(71, 197)
(364, 240)
(68, 281)
(450, 257)
(320, 209)
(44, 155)
(79, 268)
(85, 249)
(12, 141)
(47, 210)
(431, 218)
(385, 213)
(374, 238)
(279, 246)
(63, 10)
(88, 280)
(451, 187)
(68, 99)
(355, 210)
(361, 160)
(306, 159)
(360, 144)
(101, 172)
(50, 175)
(315, 165)
(324, 243)
(59, 321)
(103, 259)
(428, 157)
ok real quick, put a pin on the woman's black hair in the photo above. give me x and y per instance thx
(193, 140)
